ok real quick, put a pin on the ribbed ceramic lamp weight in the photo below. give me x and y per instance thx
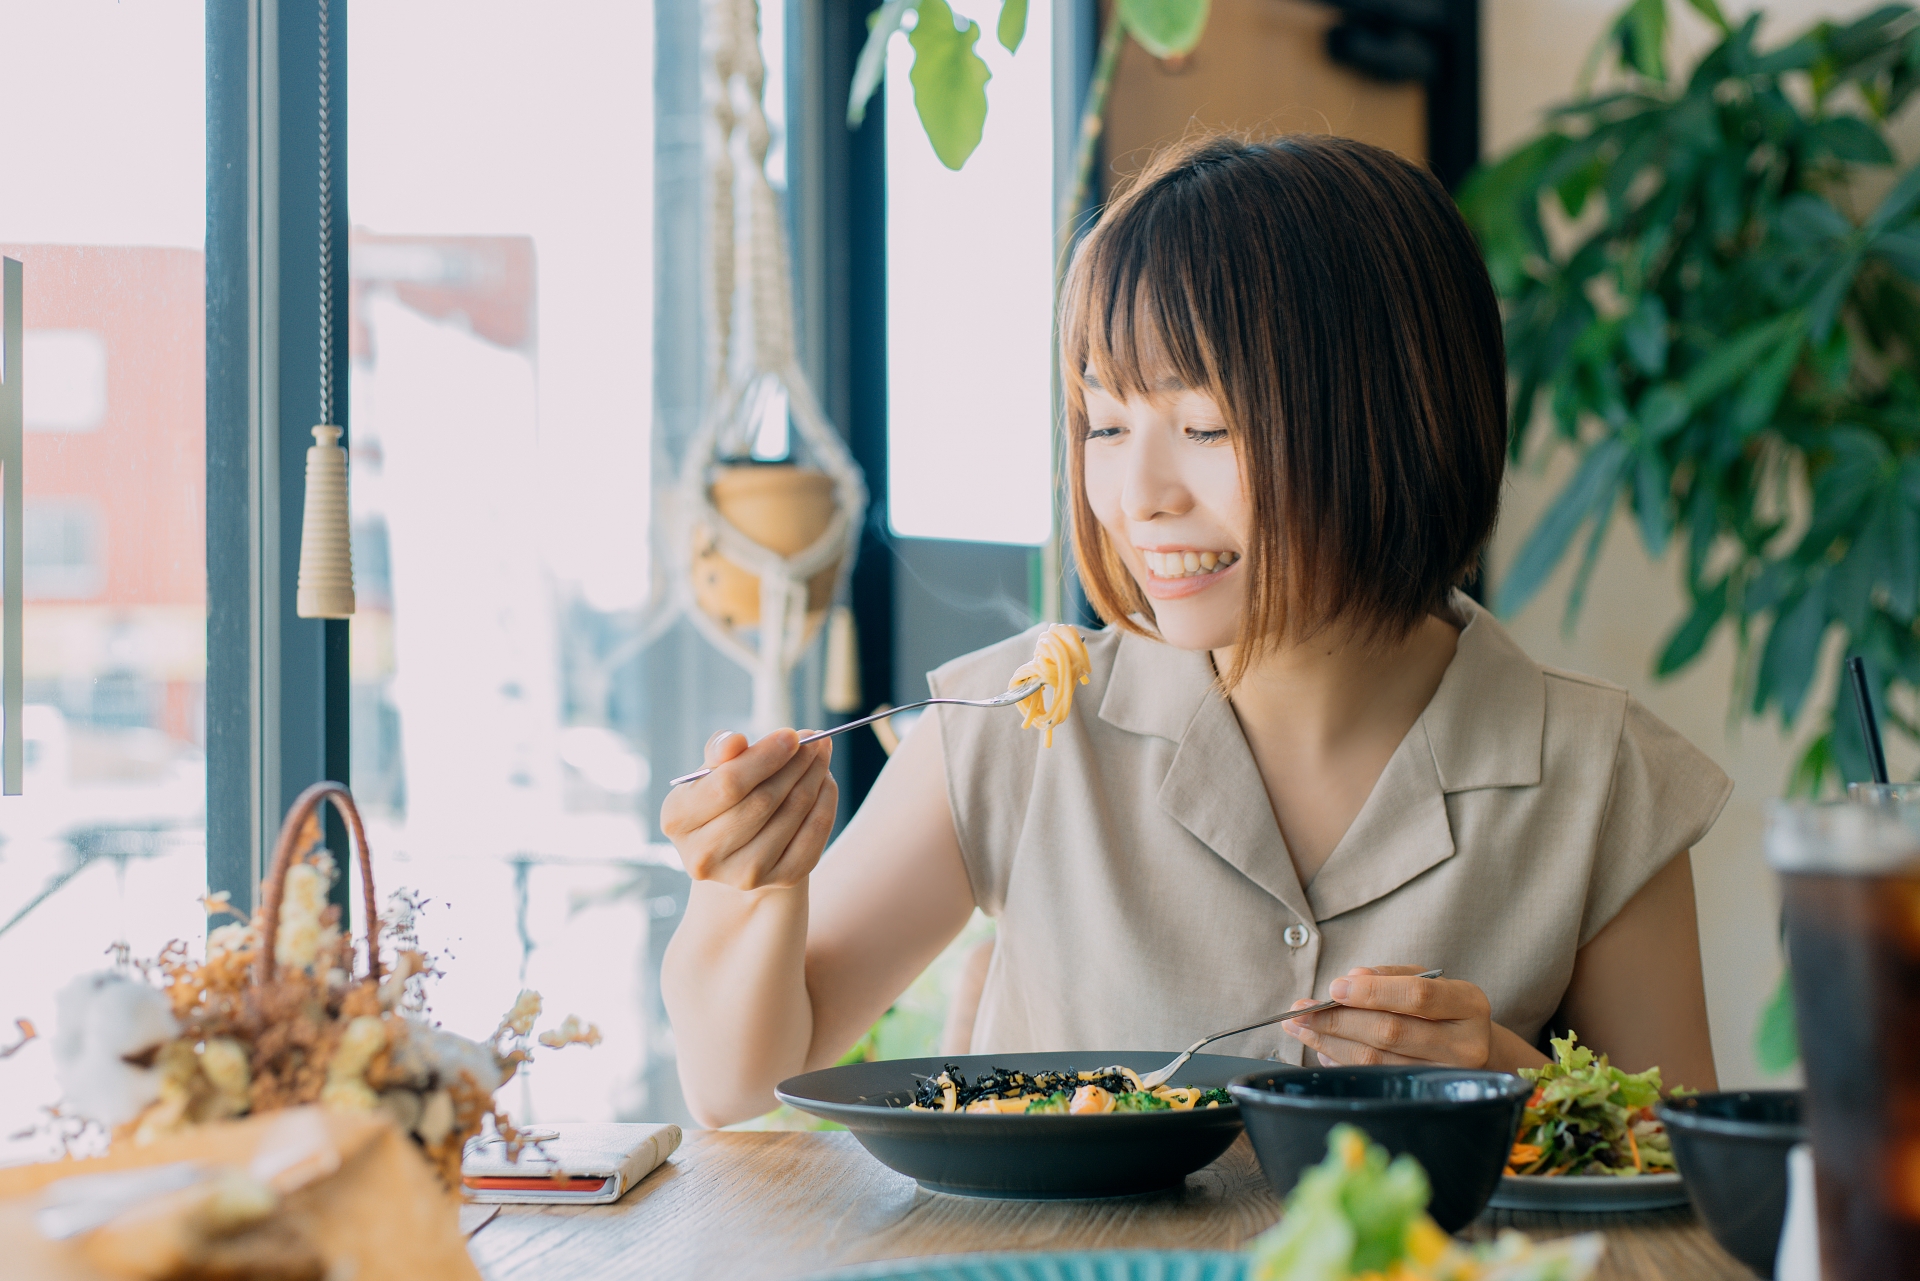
(326, 548)
(325, 588)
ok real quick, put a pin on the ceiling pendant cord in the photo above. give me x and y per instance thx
(325, 586)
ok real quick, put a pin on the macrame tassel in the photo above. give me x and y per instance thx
(326, 539)
(842, 685)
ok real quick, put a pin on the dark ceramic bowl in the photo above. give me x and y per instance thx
(1458, 1124)
(1025, 1157)
(1732, 1151)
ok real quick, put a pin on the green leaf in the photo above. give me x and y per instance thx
(1664, 410)
(1760, 395)
(1776, 1042)
(1577, 593)
(1012, 27)
(1901, 249)
(1793, 650)
(1165, 28)
(1691, 636)
(1824, 306)
(1809, 219)
(949, 82)
(1592, 486)
(1642, 33)
(1710, 10)
(1652, 486)
(1850, 138)
(1645, 335)
(1898, 203)
(871, 66)
(1734, 358)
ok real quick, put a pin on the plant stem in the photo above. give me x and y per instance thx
(1054, 553)
(1092, 121)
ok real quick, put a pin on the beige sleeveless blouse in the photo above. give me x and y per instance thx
(1144, 896)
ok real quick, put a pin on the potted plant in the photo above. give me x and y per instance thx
(1702, 304)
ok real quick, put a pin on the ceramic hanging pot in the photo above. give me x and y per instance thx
(783, 507)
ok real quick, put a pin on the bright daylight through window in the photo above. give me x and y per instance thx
(505, 472)
(104, 169)
(969, 303)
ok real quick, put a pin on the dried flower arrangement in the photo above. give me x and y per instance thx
(275, 1017)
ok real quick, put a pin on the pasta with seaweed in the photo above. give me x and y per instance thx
(1005, 1090)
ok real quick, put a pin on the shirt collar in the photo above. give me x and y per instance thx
(1484, 723)
(1482, 728)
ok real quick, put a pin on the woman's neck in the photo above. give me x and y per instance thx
(1324, 716)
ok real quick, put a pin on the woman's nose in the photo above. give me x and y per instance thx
(1153, 485)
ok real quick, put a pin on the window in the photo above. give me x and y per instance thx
(509, 746)
(68, 391)
(970, 303)
(105, 179)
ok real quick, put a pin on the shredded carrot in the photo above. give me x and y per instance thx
(1634, 1144)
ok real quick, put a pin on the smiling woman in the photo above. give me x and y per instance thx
(1308, 765)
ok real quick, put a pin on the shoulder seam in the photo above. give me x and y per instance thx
(1581, 678)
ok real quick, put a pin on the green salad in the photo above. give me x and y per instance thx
(1587, 1117)
(1359, 1217)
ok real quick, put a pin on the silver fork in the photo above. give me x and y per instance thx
(1161, 1077)
(1013, 695)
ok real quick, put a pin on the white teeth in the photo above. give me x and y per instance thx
(1184, 564)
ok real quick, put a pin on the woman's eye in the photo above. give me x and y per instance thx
(1206, 435)
(1102, 433)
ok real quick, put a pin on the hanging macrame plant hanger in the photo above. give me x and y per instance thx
(764, 550)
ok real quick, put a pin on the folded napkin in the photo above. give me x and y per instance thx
(569, 1162)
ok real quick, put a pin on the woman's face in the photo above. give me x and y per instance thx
(1164, 481)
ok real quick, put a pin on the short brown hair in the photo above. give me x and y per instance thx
(1330, 297)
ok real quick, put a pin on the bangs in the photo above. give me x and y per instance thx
(1131, 316)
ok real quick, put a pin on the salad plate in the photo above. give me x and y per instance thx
(1080, 1265)
(1589, 1194)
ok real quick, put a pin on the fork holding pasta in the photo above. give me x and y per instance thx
(1059, 661)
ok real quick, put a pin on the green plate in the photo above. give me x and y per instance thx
(1090, 1265)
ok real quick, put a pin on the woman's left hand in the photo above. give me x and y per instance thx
(1388, 1015)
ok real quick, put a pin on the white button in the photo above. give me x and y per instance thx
(1296, 936)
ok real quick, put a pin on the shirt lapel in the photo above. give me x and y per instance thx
(1212, 787)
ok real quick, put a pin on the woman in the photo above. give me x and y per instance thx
(1306, 765)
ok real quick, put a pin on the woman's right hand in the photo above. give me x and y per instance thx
(762, 818)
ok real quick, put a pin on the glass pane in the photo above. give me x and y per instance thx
(104, 170)
(509, 746)
(969, 302)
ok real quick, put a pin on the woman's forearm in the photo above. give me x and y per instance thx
(734, 983)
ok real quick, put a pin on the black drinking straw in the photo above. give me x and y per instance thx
(1869, 723)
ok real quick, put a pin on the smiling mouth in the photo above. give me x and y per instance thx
(1172, 565)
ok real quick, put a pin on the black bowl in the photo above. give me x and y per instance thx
(1050, 1157)
(1732, 1151)
(1458, 1124)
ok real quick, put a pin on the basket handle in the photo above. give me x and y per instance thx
(284, 849)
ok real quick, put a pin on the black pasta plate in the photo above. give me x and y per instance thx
(1018, 1157)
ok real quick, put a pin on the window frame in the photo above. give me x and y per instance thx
(276, 683)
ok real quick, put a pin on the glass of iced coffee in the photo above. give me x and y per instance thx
(1850, 882)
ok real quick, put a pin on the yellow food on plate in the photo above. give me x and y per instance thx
(1060, 660)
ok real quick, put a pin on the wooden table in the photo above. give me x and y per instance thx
(770, 1206)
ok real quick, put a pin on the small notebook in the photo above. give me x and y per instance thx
(568, 1163)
